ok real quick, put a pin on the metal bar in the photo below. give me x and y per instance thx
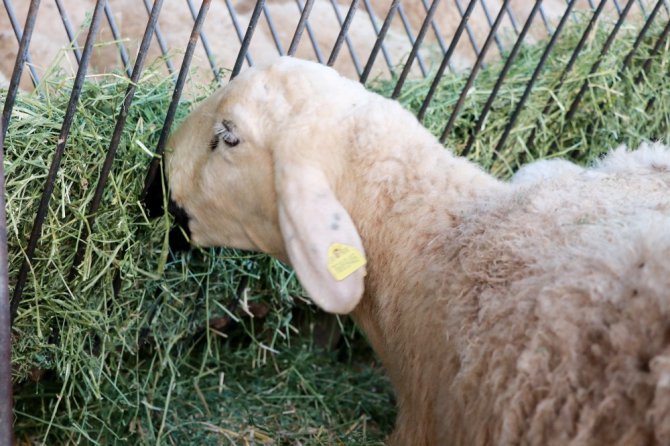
(415, 49)
(116, 135)
(471, 35)
(176, 94)
(654, 52)
(343, 33)
(499, 81)
(255, 15)
(515, 24)
(640, 36)
(205, 44)
(546, 22)
(312, 37)
(238, 29)
(617, 6)
(375, 27)
(19, 35)
(304, 14)
(596, 65)
(473, 73)
(21, 57)
(568, 67)
(487, 14)
(445, 60)
(6, 415)
(436, 30)
(664, 34)
(68, 30)
(534, 76)
(273, 31)
(412, 40)
(117, 38)
(350, 46)
(58, 154)
(380, 40)
(161, 43)
(642, 8)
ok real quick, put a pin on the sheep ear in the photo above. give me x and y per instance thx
(321, 240)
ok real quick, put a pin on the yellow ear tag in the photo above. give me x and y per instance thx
(344, 260)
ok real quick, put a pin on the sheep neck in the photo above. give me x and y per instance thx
(405, 204)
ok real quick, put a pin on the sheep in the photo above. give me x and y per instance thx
(530, 313)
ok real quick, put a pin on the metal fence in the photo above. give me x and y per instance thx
(401, 40)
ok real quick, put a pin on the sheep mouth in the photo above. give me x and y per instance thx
(180, 234)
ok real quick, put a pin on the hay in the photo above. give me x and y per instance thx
(145, 366)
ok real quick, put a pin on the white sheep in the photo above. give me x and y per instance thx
(504, 314)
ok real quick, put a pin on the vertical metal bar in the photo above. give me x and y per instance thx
(68, 30)
(380, 39)
(304, 14)
(654, 51)
(415, 49)
(255, 15)
(205, 44)
(471, 35)
(58, 154)
(568, 67)
(238, 29)
(501, 77)
(161, 43)
(116, 135)
(546, 22)
(534, 76)
(350, 46)
(473, 73)
(596, 65)
(487, 14)
(412, 40)
(176, 94)
(381, 32)
(21, 56)
(310, 33)
(343, 33)
(657, 47)
(6, 415)
(512, 19)
(642, 8)
(117, 37)
(640, 36)
(273, 31)
(30, 20)
(445, 60)
(436, 30)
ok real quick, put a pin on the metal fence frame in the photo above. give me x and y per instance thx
(260, 12)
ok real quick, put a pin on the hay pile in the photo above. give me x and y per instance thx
(161, 361)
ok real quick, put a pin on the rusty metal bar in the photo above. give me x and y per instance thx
(116, 136)
(380, 40)
(255, 16)
(205, 44)
(161, 43)
(117, 38)
(30, 20)
(58, 154)
(6, 415)
(176, 94)
(68, 30)
(473, 74)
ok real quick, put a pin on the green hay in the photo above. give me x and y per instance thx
(144, 367)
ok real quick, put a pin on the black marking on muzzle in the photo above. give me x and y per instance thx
(153, 201)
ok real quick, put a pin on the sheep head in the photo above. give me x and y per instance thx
(256, 167)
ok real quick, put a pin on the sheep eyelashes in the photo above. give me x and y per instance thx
(503, 312)
(224, 131)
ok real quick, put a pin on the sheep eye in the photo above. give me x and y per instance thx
(223, 131)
